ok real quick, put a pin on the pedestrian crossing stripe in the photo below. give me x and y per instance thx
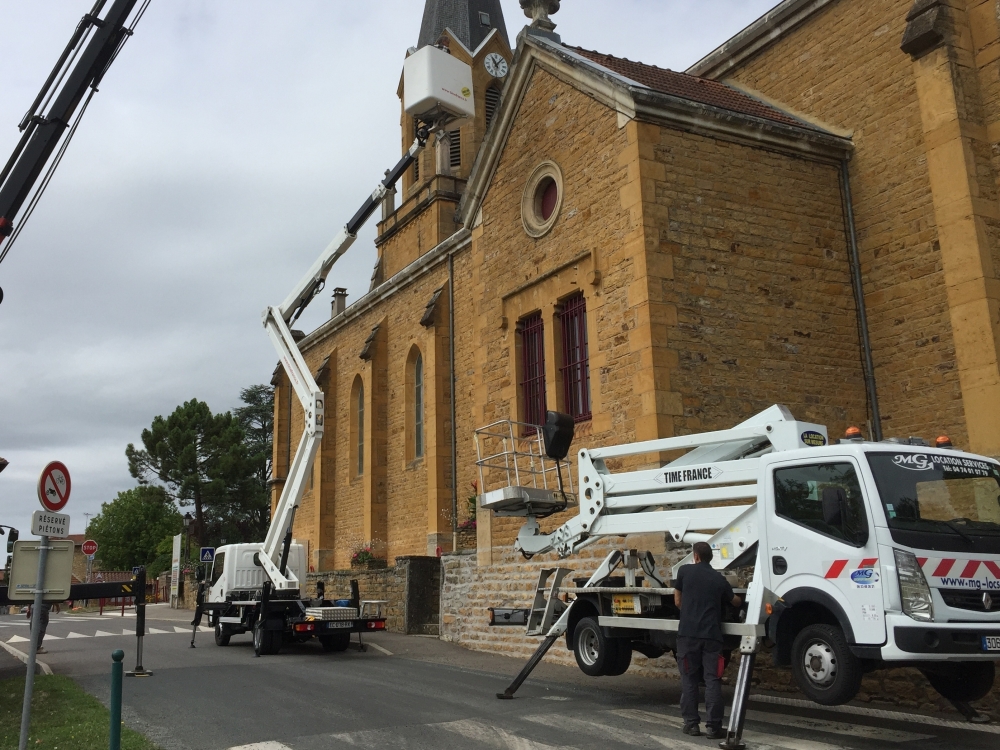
(157, 631)
(78, 635)
(180, 630)
(17, 639)
(101, 633)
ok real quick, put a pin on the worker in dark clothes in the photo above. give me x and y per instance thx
(701, 592)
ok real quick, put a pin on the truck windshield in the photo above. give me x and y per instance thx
(955, 498)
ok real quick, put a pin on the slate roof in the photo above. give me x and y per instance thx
(693, 88)
(462, 17)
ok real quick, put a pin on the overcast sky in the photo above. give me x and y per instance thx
(228, 144)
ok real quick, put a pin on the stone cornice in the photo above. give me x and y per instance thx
(768, 28)
(458, 241)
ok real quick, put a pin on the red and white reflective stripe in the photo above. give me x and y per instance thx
(956, 568)
(837, 567)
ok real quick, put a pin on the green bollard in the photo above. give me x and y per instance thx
(115, 735)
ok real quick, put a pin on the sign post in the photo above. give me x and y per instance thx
(53, 494)
(175, 571)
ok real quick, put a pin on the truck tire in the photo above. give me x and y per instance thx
(595, 653)
(335, 641)
(824, 667)
(222, 634)
(266, 642)
(624, 659)
(964, 682)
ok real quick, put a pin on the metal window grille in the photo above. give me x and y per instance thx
(418, 407)
(361, 430)
(533, 369)
(492, 104)
(416, 162)
(455, 148)
(575, 358)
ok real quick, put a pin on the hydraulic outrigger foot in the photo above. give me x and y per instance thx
(738, 714)
(536, 657)
(969, 712)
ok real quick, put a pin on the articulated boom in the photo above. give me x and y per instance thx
(274, 555)
(722, 467)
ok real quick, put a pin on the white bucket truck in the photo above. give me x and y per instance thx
(256, 587)
(864, 554)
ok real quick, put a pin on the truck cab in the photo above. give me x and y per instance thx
(882, 554)
(235, 575)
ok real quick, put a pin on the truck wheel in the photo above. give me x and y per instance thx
(335, 641)
(623, 647)
(222, 634)
(824, 667)
(595, 654)
(964, 682)
(266, 642)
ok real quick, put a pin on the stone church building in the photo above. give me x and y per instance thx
(808, 215)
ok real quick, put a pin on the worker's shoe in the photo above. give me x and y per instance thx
(715, 733)
(692, 729)
(41, 650)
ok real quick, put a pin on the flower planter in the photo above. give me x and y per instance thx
(375, 564)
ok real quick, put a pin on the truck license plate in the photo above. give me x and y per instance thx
(344, 624)
(991, 643)
(626, 604)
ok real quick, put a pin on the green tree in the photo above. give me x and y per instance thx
(199, 458)
(129, 529)
(256, 418)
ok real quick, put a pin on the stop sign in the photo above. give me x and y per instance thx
(90, 547)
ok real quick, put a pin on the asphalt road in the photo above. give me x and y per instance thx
(412, 693)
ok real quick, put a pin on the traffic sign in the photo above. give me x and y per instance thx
(207, 554)
(53, 486)
(24, 570)
(89, 548)
(136, 569)
(44, 523)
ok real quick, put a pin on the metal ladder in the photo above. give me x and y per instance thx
(547, 606)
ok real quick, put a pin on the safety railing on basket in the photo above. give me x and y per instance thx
(516, 478)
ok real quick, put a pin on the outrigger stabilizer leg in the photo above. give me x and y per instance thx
(738, 714)
(536, 657)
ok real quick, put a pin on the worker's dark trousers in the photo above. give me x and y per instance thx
(697, 659)
(43, 616)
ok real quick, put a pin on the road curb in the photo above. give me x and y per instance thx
(23, 657)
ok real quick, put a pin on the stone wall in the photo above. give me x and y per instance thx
(412, 588)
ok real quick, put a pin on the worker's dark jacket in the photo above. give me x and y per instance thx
(704, 593)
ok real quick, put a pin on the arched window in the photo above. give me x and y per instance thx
(492, 103)
(418, 407)
(358, 426)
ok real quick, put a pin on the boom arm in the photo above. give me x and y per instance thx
(274, 555)
(42, 132)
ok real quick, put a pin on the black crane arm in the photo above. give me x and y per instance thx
(42, 132)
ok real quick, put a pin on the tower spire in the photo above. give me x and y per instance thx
(470, 21)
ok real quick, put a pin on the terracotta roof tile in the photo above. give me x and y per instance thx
(685, 86)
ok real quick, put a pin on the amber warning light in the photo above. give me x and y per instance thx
(943, 441)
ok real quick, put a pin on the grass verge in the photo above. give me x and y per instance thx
(63, 717)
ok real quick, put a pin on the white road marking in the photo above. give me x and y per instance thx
(17, 638)
(878, 713)
(78, 635)
(157, 631)
(181, 630)
(615, 734)
(555, 698)
(834, 727)
(50, 637)
(764, 739)
(23, 658)
(488, 735)
(262, 746)
(377, 647)
(101, 633)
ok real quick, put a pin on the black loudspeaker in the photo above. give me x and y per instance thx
(557, 432)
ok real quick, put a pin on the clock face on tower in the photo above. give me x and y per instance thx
(495, 65)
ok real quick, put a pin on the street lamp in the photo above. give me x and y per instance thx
(188, 519)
